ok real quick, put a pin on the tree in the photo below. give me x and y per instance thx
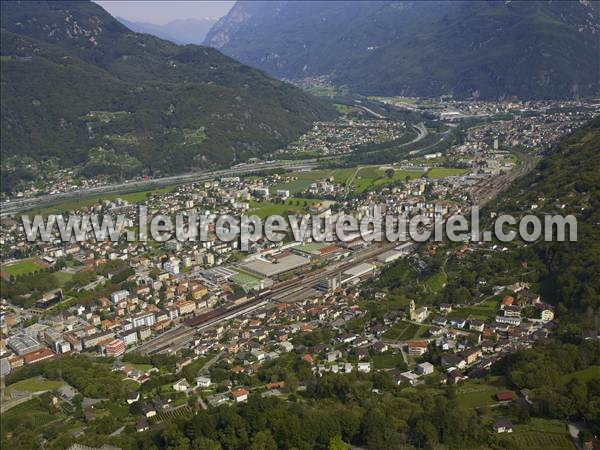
(425, 434)
(263, 440)
(336, 443)
(204, 443)
(585, 436)
(292, 382)
(389, 173)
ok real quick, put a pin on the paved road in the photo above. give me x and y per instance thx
(17, 206)
(379, 116)
(210, 362)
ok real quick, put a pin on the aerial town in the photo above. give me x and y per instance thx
(233, 319)
(324, 225)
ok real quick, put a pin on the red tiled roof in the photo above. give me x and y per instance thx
(504, 396)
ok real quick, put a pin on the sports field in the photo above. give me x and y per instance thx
(22, 267)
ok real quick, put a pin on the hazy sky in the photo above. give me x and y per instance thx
(161, 12)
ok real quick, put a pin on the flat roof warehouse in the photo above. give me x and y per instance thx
(281, 265)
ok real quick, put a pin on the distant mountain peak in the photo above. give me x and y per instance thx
(526, 49)
(179, 31)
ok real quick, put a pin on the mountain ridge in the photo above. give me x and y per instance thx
(82, 88)
(181, 31)
(474, 49)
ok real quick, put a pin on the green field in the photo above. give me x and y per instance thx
(179, 413)
(585, 375)
(436, 282)
(363, 179)
(387, 360)
(265, 209)
(485, 311)
(442, 172)
(395, 100)
(245, 280)
(321, 91)
(405, 331)
(140, 367)
(369, 177)
(22, 267)
(344, 109)
(34, 385)
(304, 179)
(472, 395)
(541, 433)
(62, 277)
(28, 417)
(132, 197)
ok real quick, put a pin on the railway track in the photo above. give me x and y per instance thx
(175, 339)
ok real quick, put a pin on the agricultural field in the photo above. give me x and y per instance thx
(345, 109)
(405, 331)
(193, 136)
(33, 385)
(25, 421)
(541, 433)
(485, 311)
(395, 100)
(140, 367)
(179, 413)
(21, 267)
(391, 303)
(436, 282)
(361, 178)
(321, 90)
(304, 179)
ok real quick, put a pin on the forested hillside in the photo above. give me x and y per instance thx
(79, 86)
(567, 274)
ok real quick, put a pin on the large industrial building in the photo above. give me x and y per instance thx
(354, 274)
(277, 266)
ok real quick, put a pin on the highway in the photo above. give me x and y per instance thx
(17, 206)
(181, 336)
